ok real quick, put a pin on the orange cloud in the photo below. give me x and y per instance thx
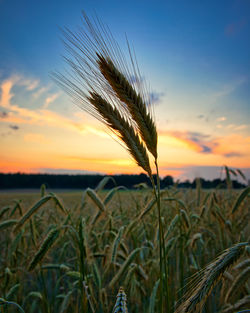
(193, 141)
(42, 116)
(177, 142)
(233, 145)
(6, 93)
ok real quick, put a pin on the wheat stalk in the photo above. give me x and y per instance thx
(101, 85)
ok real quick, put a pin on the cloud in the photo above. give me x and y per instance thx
(206, 149)
(3, 114)
(6, 94)
(40, 91)
(241, 127)
(237, 127)
(195, 141)
(203, 144)
(200, 116)
(14, 127)
(155, 97)
(23, 115)
(8, 84)
(233, 154)
(51, 98)
(138, 82)
(42, 116)
(227, 89)
(30, 84)
(230, 146)
(221, 119)
(233, 145)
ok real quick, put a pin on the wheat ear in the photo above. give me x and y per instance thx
(136, 106)
(113, 119)
(47, 243)
(210, 277)
(121, 302)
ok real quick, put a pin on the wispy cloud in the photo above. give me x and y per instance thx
(40, 91)
(226, 89)
(221, 119)
(6, 94)
(201, 116)
(42, 116)
(233, 154)
(19, 114)
(8, 84)
(241, 127)
(50, 99)
(237, 127)
(29, 83)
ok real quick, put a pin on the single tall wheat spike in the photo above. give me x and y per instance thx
(101, 83)
(121, 302)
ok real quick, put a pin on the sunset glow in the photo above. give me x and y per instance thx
(199, 81)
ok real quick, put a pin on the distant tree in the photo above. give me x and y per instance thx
(167, 181)
(185, 184)
(20, 180)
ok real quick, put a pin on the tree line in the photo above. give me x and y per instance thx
(20, 180)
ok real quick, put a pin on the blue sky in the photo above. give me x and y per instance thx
(194, 54)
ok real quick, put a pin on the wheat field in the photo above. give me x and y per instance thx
(72, 253)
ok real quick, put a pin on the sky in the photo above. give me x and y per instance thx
(194, 56)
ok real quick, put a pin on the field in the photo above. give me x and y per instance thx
(71, 251)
